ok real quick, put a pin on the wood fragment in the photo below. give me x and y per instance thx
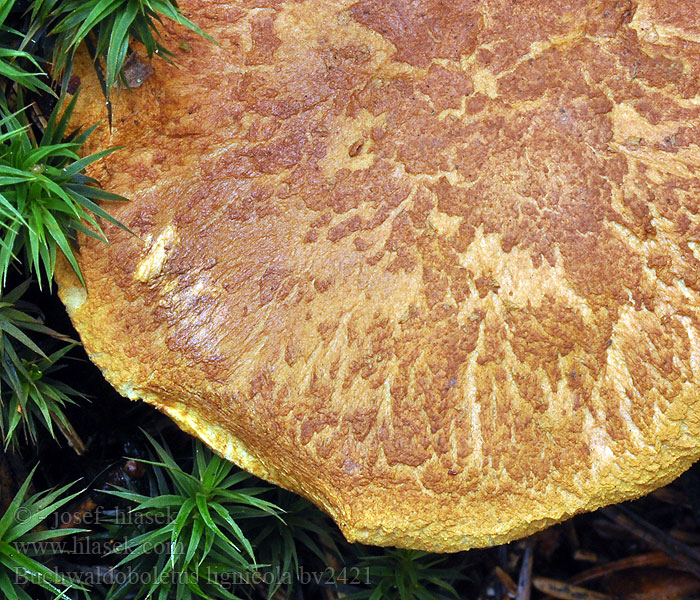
(525, 577)
(671, 496)
(506, 581)
(566, 591)
(653, 584)
(72, 437)
(692, 538)
(651, 559)
(683, 554)
(586, 556)
(571, 533)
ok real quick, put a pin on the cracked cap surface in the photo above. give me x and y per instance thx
(432, 264)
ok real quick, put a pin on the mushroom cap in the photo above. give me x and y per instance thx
(432, 264)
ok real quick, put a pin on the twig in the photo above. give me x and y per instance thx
(684, 555)
(506, 581)
(525, 577)
(651, 559)
(566, 591)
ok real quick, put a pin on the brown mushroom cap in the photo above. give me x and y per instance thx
(432, 264)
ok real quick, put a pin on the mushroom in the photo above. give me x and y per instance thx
(431, 264)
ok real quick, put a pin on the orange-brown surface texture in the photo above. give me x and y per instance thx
(432, 264)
